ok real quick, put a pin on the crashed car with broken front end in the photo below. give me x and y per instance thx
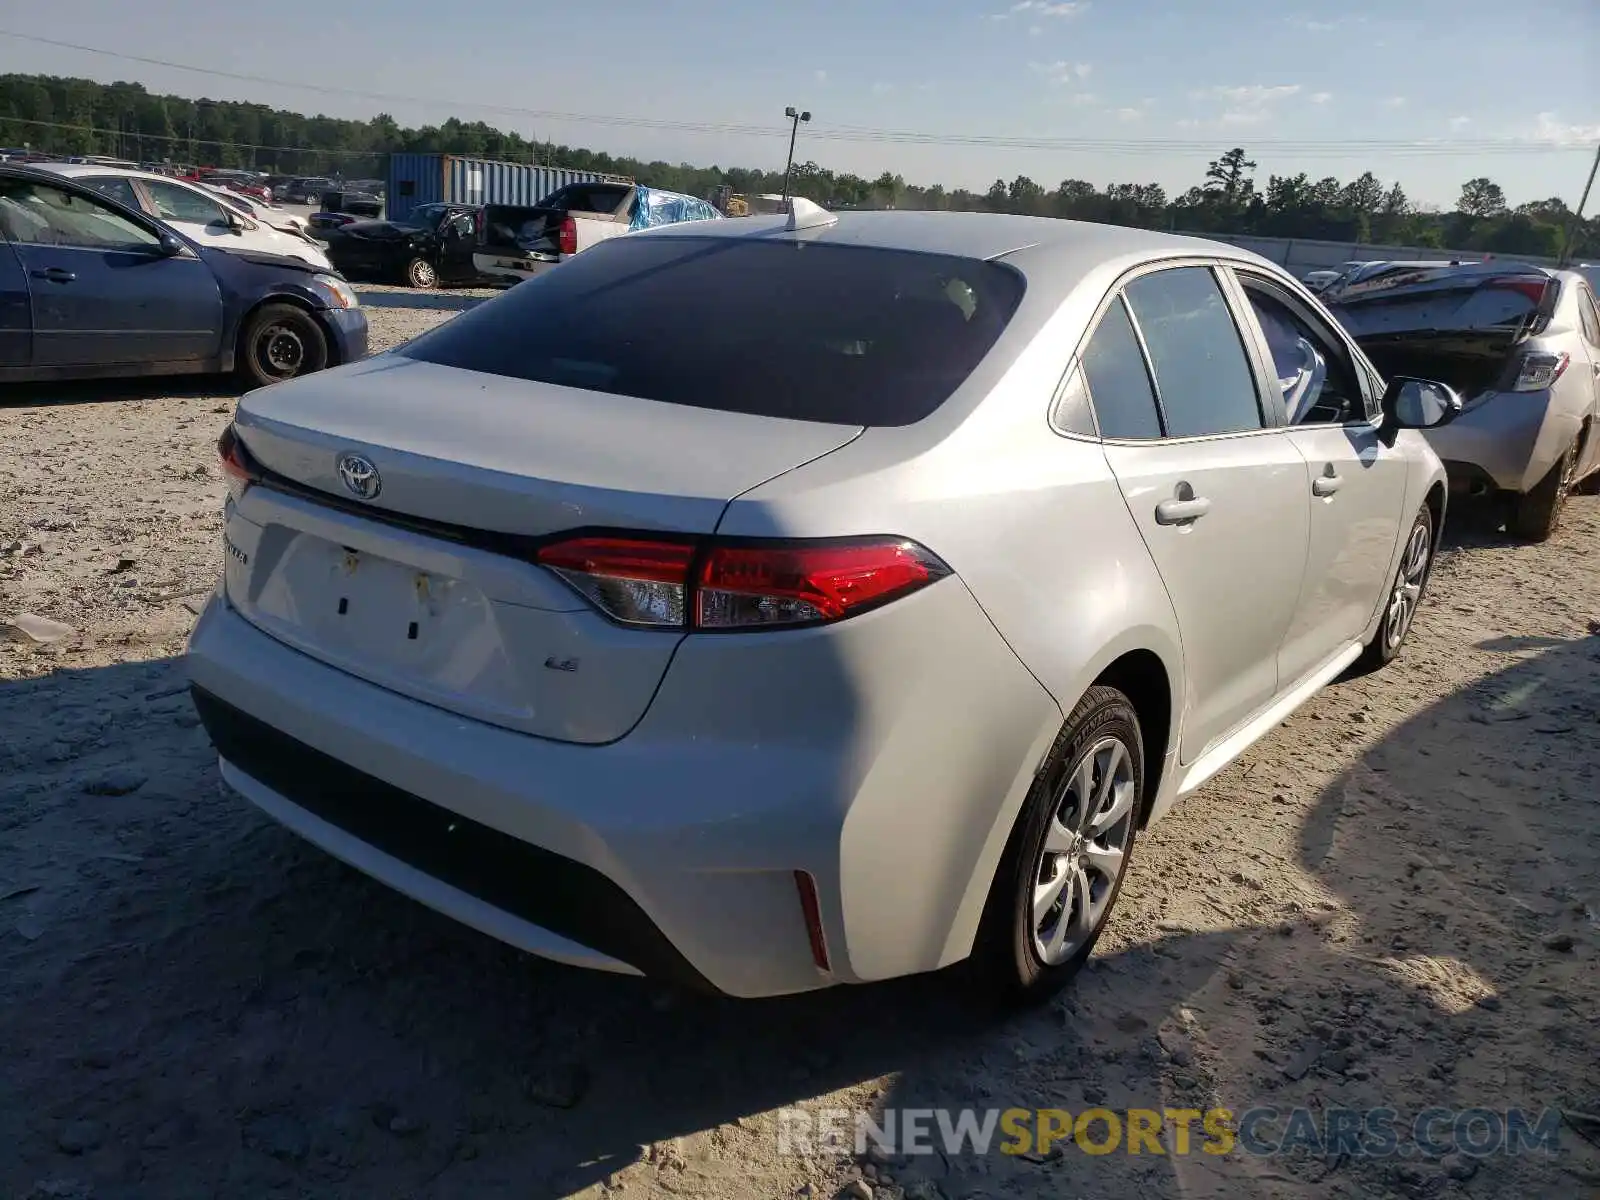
(1520, 343)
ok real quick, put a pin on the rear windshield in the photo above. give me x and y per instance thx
(810, 332)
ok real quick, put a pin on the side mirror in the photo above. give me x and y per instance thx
(234, 220)
(171, 247)
(1411, 403)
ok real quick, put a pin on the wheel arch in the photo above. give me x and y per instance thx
(1438, 495)
(292, 300)
(1142, 677)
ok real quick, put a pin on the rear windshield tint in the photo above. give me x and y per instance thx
(810, 332)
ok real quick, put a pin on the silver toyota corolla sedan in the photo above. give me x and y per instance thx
(782, 602)
(1522, 345)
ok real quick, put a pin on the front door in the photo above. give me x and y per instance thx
(1355, 485)
(104, 291)
(458, 240)
(1217, 491)
(16, 314)
(197, 215)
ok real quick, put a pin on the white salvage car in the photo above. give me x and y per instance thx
(195, 211)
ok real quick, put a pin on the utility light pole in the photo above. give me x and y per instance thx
(1577, 213)
(795, 117)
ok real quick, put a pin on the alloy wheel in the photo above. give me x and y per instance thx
(1407, 592)
(1084, 851)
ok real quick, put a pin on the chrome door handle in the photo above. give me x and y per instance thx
(1326, 485)
(54, 275)
(1182, 512)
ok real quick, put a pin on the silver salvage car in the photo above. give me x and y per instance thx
(775, 603)
(1521, 344)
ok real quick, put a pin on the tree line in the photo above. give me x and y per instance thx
(67, 116)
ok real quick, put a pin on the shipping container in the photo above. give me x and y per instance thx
(446, 178)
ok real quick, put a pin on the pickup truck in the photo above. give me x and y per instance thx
(520, 242)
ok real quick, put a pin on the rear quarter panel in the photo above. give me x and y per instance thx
(1036, 528)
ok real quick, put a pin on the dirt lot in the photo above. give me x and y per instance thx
(1393, 901)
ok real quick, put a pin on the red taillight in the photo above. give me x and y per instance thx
(635, 581)
(236, 463)
(812, 911)
(718, 585)
(1533, 289)
(569, 236)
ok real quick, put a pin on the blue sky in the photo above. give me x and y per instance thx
(1508, 92)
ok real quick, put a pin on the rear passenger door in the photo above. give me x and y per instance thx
(1355, 486)
(1211, 478)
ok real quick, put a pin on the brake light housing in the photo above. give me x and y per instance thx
(727, 585)
(237, 468)
(1538, 370)
(569, 235)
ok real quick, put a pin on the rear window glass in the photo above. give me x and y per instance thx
(810, 332)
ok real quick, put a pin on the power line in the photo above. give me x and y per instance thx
(821, 131)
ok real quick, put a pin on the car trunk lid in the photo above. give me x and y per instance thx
(1461, 324)
(422, 580)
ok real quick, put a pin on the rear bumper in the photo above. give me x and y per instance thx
(1508, 442)
(672, 851)
(470, 866)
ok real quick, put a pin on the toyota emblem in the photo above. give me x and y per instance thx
(360, 476)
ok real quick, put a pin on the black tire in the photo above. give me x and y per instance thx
(1007, 964)
(1536, 515)
(419, 273)
(1385, 647)
(280, 342)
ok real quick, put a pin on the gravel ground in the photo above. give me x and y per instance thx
(1393, 900)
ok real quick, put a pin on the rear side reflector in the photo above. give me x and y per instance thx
(1537, 371)
(728, 585)
(568, 240)
(811, 909)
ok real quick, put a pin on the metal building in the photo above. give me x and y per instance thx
(415, 179)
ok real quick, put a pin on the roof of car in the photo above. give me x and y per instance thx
(78, 170)
(964, 234)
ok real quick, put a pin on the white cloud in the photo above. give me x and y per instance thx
(1035, 9)
(1395, 102)
(1044, 8)
(1063, 74)
(820, 76)
(882, 89)
(1460, 122)
(1548, 127)
(1130, 114)
(1246, 104)
(1035, 30)
(1250, 94)
(1312, 26)
(1321, 97)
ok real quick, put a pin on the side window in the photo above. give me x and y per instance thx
(120, 190)
(40, 215)
(1314, 373)
(1119, 385)
(174, 203)
(1071, 412)
(1202, 373)
(1589, 315)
